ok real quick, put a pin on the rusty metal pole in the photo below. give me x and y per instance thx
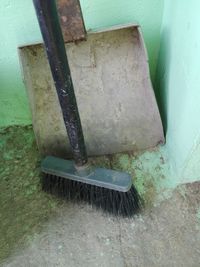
(54, 44)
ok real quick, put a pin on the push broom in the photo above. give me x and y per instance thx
(107, 189)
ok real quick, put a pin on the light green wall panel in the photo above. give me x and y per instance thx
(19, 27)
(178, 83)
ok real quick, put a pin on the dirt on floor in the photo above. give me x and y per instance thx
(37, 229)
(23, 205)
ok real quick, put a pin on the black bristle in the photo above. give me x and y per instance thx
(118, 203)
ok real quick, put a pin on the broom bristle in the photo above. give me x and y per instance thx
(118, 203)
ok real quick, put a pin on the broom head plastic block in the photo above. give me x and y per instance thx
(106, 178)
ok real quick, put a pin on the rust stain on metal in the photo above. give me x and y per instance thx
(71, 20)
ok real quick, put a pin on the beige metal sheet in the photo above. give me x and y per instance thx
(115, 97)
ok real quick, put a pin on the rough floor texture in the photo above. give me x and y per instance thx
(23, 206)
(38, 230)
(167, 235)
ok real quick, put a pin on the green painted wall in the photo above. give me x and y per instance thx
(19, 27)
(178, 83)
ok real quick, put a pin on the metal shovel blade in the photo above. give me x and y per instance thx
(116, 101)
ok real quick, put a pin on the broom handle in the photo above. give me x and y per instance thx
(54, 44)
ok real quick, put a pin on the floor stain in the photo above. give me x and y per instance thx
(24, 207)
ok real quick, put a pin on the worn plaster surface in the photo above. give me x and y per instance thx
(177, 72)
(39, 230)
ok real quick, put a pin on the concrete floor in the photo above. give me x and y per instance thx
(167, 234)
(39, 230)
